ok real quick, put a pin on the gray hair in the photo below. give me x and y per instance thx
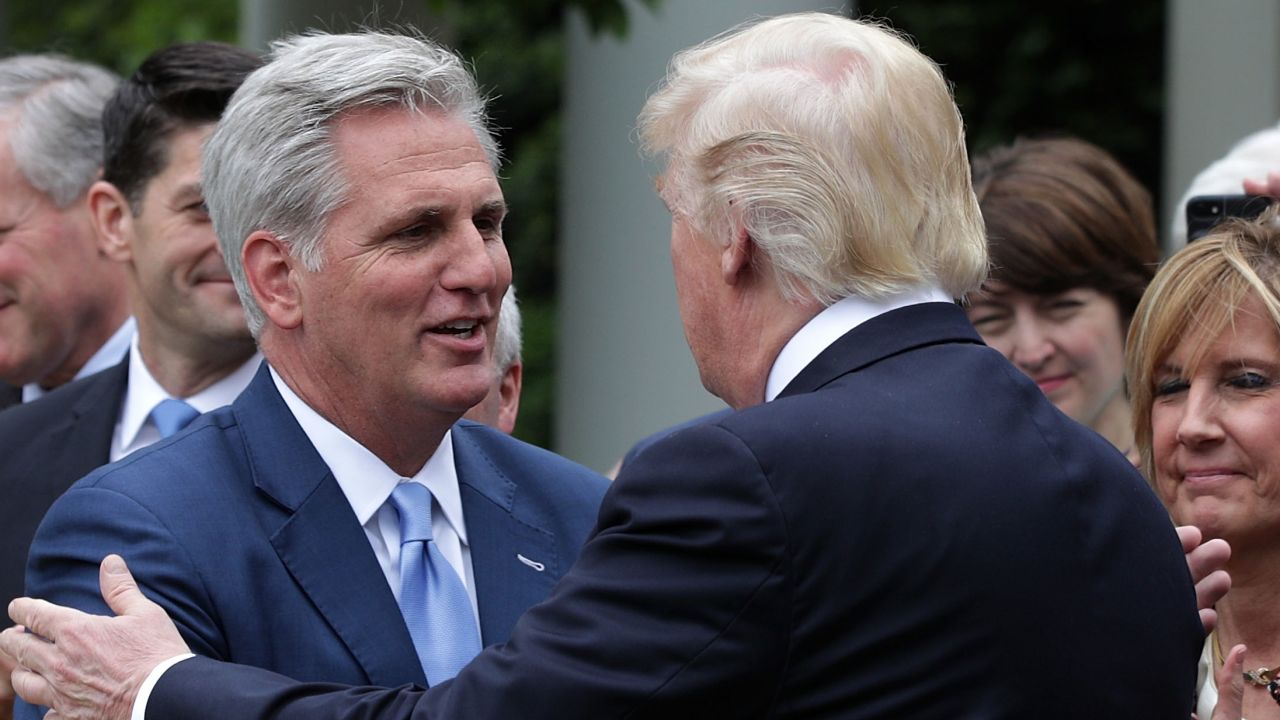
(55, 104)
(506, 347)
(835, 143)
(271, 164)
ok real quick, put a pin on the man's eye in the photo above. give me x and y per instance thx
(414, 232)
(488, 225)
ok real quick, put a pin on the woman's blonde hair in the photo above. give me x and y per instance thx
(1196, 294)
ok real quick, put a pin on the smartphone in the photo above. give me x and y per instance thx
(1206, 211)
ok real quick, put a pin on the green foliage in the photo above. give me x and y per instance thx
(116, 34)
(518, 53)
(1090, 68)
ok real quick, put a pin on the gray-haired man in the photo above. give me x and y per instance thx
(63, 305)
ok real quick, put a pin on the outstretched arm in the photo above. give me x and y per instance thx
(89, 666)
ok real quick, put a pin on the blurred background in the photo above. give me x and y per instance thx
(1165, 85)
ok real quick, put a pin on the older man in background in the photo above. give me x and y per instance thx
(895, 523)
(192, 351)
(501, 406)
(64, 310)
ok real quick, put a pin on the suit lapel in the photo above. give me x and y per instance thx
(85, 438)
(514, 561)
(320, 542)
(891, 333)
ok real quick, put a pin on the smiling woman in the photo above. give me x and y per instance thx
(1073, 244)
(1204, 369)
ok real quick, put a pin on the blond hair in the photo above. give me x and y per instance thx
(838, 146)
(1197, 293)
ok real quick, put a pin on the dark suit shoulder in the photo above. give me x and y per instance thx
(30, 419)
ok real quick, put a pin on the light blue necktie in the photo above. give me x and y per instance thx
(171, 415)
(433, 600)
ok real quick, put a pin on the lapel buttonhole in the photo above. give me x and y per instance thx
(531, 563)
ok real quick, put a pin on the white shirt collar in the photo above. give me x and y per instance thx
(109, 355)
(830, 325)
(365, 480)
(143, 393)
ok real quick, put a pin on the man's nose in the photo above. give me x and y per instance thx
(475, 263)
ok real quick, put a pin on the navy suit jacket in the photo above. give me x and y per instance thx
(9, 395)
(911, 530)
(237, 527)
(45, 446)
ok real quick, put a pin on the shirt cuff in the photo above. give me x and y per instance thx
(144, 692)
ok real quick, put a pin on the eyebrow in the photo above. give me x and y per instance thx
(188, 190)
(494, 207)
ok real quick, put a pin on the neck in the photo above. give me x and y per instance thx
(91, 336)
(1248, 613)
(183, 372)
(403, 437)
(771, 325)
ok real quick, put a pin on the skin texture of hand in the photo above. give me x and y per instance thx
(1230, 681)
(1207, 563)
(1269, 186)
(6, 687)
(89, 666)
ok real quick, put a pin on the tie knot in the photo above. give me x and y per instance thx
(171, 415)
(413, 501)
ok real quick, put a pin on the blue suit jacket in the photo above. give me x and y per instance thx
(910, 531)
(45, 446)
(239, 530)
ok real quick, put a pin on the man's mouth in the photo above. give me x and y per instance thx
(463, 329)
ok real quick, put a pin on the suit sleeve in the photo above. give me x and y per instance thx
(679, 606)
(87, 524)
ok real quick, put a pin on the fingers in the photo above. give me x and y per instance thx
(1230, 681)
(1209, 619)
(119, 588)
(1208, 558)
(1270, 186)
(29, 651)
(32, 688)
(1189, 536)
(42, 618)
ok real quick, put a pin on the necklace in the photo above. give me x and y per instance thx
(1266, 677)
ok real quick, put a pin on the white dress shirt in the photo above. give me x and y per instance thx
(367, 483)
(826, 327)
(135, 429)
(111, 352)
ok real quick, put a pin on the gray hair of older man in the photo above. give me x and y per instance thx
(271, 164)
(506, 347)
(54, 105)
(835, 143)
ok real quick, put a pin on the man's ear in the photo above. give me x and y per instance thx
(112, 221)
(509, 391)
(735, 258)
(273, 276)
